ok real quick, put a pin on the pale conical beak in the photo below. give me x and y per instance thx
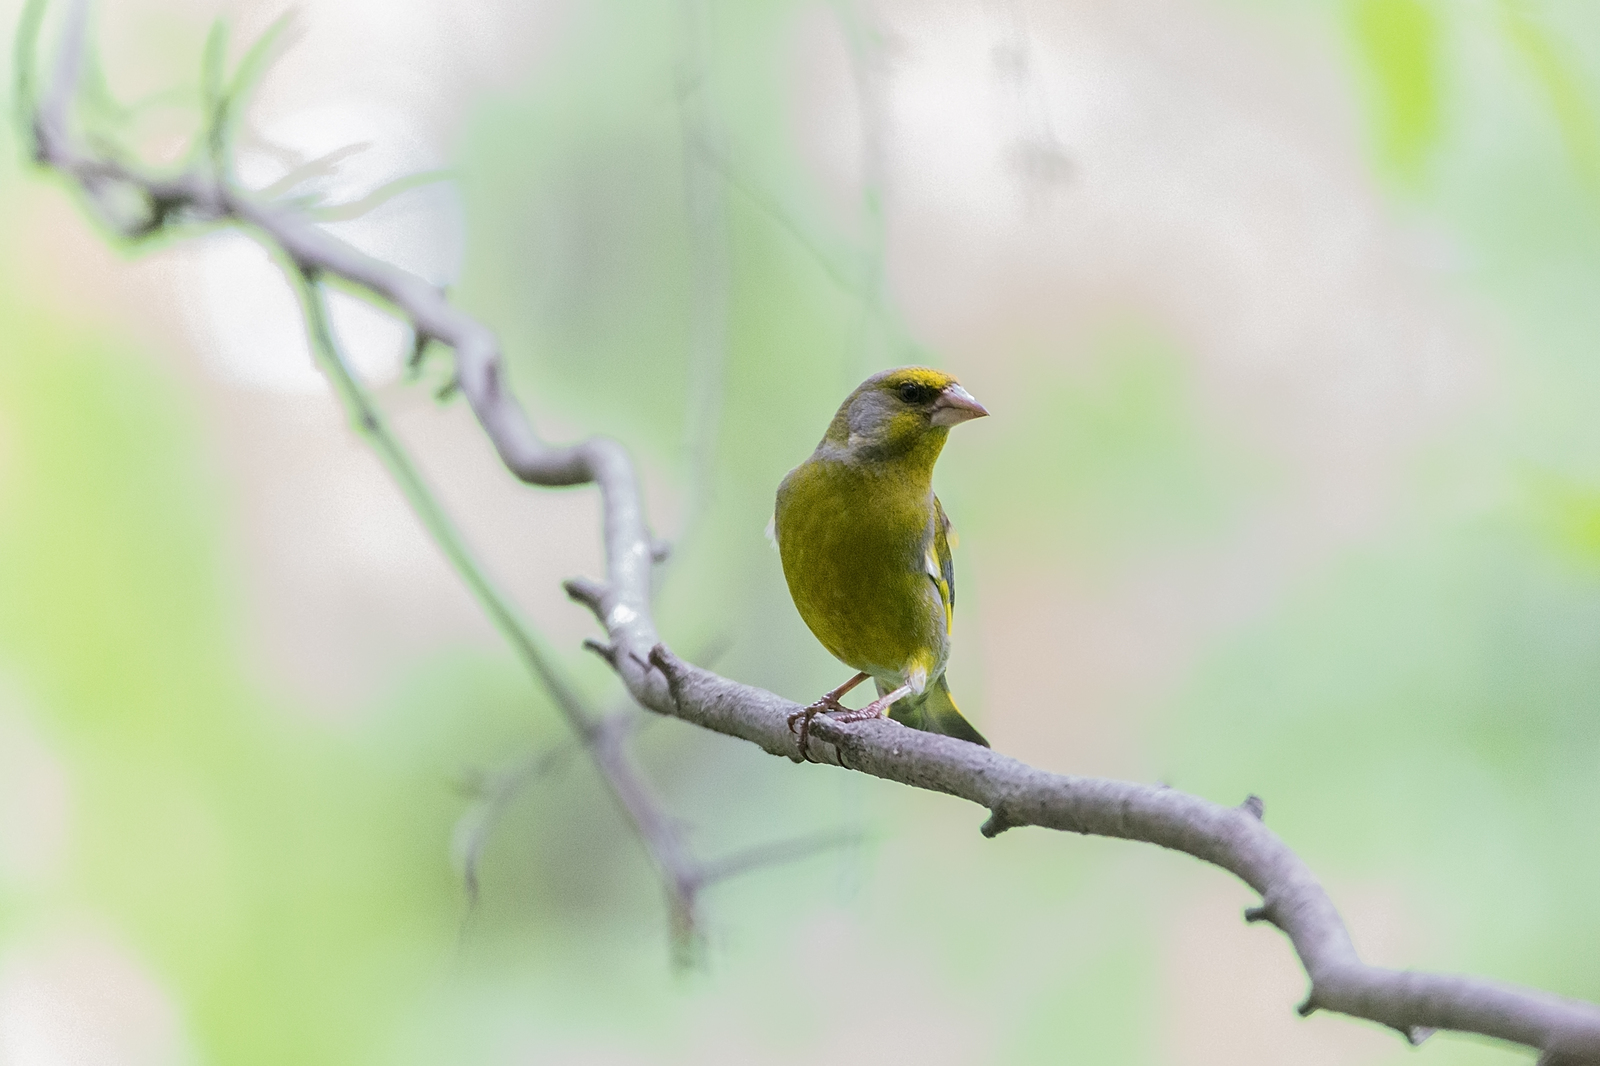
(956, 405)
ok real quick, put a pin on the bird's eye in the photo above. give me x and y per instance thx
(911, 392)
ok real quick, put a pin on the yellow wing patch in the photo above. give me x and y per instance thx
(931, 565)
(940, 566)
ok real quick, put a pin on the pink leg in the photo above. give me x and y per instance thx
(827, 703)
(830, 700)
(876, 709)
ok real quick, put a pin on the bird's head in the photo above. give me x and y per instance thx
(906, 410)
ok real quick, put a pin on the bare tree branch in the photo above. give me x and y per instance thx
(135, 204)
(680, 873)
(1566, 1031)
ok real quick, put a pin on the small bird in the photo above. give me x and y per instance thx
(866, 549)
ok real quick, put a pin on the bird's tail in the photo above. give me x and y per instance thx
(935, 712)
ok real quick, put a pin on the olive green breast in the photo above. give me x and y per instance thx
(854, 543)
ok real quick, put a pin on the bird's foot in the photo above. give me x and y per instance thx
(829, 704)
(800, 721)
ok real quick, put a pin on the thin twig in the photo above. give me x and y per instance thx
(379, 196)
(668, 852)
(320, 167)
(862, 36)
(706, 201)
(1235, 839)
(769, 206)
(492, 797)
(370, 422)
(780, 852)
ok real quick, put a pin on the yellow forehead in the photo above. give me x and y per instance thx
(917, 375)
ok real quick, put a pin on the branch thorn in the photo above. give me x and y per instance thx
(663, 660)
(587, 592)
(608, 652)
(996, 824)
(419, 346)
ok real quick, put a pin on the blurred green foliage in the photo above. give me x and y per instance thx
(1136, 463)
(1399, 40)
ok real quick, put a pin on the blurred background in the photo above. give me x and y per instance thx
(1285, 313)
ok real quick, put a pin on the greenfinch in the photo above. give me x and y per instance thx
(866, 549)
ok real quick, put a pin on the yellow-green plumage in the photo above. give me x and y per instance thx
(865, 543)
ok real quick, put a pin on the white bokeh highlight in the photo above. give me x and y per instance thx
(244, 319)
(34, 800)
(86, 1001)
